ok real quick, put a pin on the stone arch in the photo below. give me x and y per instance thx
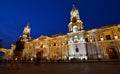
(112, 53)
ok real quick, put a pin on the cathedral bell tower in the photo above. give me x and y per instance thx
(26, 34)
(76, 43)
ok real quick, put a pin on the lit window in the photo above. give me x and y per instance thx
(75, 28)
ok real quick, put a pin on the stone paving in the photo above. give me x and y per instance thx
(111, 67)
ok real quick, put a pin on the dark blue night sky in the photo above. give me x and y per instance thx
(49, 17)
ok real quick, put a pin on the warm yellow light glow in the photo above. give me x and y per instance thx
(90, 40)
(116, 37)
(101, 39)
(16, 58)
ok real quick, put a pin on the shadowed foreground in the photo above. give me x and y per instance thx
(65, 68)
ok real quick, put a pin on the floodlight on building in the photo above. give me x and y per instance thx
(116, 37)
(101, 39)
(16, 58)
(90, 40)
(31, 58)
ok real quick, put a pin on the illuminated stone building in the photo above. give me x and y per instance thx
(99, 43)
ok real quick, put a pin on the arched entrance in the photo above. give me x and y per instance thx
(112, 53)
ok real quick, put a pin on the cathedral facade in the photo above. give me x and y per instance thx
(99, 43)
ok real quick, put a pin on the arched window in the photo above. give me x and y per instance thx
(108, 37)
(77, 50)
(41, 46)
(54, 44)
(75, 28)
(75, 39)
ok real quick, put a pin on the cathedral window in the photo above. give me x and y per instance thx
(75, 39)
(77, 50)
(54, 44)
(119, 29)
(108, 37)
(86, 39)
(41, 46)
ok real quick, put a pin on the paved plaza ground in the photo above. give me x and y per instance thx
(65, 68)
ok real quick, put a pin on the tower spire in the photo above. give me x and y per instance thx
(74, 7)
(74, 14)
(75, 20)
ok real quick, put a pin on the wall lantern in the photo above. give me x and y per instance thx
(101, 39)
(116, 37)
